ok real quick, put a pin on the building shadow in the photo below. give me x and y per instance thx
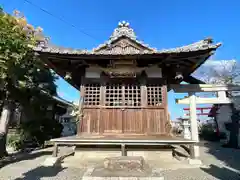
(230, 157)
(41, 172)
(221, 173)
(223, 163)
(20, 156)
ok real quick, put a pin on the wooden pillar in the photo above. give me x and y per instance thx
(143, 82)
(81, 106)
(101, 121)
(194, 149)
(123, 150)
(166, 113)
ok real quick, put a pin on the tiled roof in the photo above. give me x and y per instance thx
(124, 48)
(59, 99)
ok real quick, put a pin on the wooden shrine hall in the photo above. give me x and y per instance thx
(123, 85)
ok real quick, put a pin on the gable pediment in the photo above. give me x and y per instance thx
(123, 41)
(122, 45)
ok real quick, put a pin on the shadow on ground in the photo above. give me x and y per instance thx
(225, 163)
(41, 172)
(221, 173)
(230, 157)
(17, 157)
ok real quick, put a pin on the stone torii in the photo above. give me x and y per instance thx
(192, 100)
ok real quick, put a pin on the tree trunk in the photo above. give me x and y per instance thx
(4, 124)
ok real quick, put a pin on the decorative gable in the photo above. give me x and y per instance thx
(123, 41)
(122, 46)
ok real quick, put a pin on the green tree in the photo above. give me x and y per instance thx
(24, 79)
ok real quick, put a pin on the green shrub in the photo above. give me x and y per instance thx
(208, 132)
(36, 132)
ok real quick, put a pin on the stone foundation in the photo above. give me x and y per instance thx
(157, 159)
(100, 154)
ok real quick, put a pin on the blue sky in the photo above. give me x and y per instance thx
(160, 23)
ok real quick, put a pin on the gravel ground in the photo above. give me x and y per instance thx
(222, 164)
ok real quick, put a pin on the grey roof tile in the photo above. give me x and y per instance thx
(124, 30)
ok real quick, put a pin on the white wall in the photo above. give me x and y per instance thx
(92, 72)
(154, 72)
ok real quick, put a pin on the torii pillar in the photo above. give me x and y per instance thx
(192, 100)
(194, 149)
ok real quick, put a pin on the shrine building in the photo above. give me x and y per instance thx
(123, 85)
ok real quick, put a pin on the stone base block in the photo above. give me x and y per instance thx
(195, 162)
(51, 161)
(194, 151)
(124, 163)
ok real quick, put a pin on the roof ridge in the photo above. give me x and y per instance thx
(123, 30)
(197, 46)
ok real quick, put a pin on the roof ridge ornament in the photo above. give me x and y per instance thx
(123, 24)
(123, 29)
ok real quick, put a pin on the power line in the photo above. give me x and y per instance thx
(61, 19)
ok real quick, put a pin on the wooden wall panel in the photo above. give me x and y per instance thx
(91, 121)
(133, 121)
(125, 118)
(156, 121)
(111, 120)
(128, 121)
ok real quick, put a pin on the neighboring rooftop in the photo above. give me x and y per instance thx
(61, 100)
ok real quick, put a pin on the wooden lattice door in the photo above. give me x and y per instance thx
(112, 114)
(123, 113)
(155, 113)
(132, 114)
(128, 108)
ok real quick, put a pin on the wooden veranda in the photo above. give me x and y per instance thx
(120, 141)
